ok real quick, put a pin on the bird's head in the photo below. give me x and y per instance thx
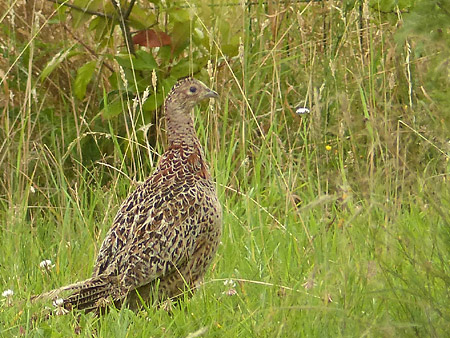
(189, 92)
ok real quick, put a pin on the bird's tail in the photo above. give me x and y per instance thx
(88, 295)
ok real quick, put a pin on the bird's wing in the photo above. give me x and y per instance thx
(154, 230)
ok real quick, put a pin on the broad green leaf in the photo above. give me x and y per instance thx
(231, 48)
(153, 102)
(168, 83)
(165, 53)
(146, 60)
(112, 109)
(180, 15)
(224, 30)
(142, 61)
(180, 37)
(183, 68)
(84, 76)
(141, 18)
(125, 60)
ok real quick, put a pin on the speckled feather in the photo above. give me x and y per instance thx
(167, 231)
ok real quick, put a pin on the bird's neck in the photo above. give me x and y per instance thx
(180, 128)
(183, 143)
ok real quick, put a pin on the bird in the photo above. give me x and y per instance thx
(166, 232)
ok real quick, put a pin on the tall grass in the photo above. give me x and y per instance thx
(335, 223)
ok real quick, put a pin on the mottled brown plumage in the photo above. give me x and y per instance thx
(167, 231)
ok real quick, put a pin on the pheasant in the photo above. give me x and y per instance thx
(166, 232)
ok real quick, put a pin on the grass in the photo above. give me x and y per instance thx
(335, 224)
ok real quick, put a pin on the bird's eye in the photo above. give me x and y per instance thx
(192, 89)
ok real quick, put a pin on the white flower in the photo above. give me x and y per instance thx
(302, 110)
(46, 265)
(58, 302)
(230, 282)
(60, 310)
(8, 293)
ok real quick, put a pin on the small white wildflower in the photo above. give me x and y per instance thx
(302, 110)
(230, 282)
(46, 265)
(8, 293)
(58, 302)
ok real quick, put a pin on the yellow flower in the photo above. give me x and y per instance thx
(328, 147)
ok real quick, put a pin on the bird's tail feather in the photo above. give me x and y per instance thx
(93, 293)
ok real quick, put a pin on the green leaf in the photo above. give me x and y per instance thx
(141, 18)
(231, 48)
(180, 37)
(142, 61)
(165, 53)
(112, 109)
(180, 15)
(84, 76)
(181, 69)
(146, 60)
(153, 102)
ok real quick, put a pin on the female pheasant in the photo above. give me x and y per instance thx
(167, 231)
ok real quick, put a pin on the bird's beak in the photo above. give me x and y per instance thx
(211, 94)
